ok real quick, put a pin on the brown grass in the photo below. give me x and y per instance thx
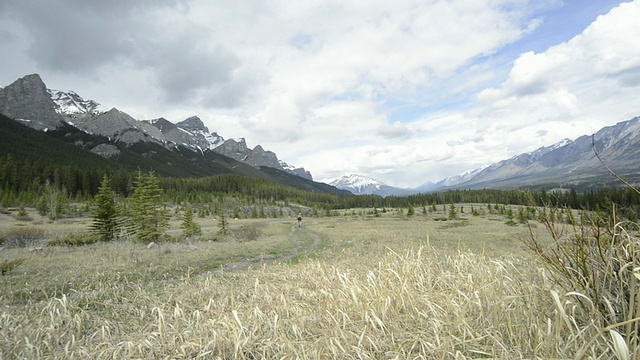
(377, 288)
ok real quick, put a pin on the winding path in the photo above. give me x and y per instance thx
(264, 260)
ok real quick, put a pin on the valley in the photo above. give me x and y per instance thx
(359, 283)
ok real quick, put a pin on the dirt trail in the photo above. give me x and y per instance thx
(259, 261)
(297, 235)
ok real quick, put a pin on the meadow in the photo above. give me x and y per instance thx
(349, 286)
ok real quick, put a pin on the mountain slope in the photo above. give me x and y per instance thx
(568, 163)
(25, 143)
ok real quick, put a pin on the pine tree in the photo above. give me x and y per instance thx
(411, 211)
(148, 216)
(105, 215)
(189, 226)
(223, 224)
(453, 213)
(22, 212)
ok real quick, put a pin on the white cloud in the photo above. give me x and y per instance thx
(571, 89)
(410, 90)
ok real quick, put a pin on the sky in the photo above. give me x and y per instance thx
(403, 91)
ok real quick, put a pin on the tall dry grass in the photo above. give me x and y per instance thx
(383, 289)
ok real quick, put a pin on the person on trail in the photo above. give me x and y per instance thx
(299, 220)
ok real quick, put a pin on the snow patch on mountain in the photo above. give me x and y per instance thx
(460, 178)
(72, 104)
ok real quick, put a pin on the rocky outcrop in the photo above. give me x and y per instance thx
(106, 150)
(257, 157)
(300, 172)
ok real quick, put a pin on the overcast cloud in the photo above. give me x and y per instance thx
(405, 91)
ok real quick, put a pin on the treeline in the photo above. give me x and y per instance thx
(25, 179)
(591, 200)
(22, 182)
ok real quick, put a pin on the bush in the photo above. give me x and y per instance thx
(598, 259)
(76, 240)
(511, 223)
(249, 232)
(23, 237)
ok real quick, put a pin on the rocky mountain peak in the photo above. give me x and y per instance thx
(28, 99)
(193, 123)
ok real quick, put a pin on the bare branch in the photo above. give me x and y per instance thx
(593, 146)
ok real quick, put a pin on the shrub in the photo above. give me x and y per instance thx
(598, 258)
(22, 237)
(249, 232)
(80, 239)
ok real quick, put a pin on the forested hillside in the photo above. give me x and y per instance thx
(29, 158)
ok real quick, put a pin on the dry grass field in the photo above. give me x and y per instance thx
(352, 286)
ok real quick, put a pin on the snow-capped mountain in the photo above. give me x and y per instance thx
(357, 184)
(362, 185)
(69, 103)
(28, 100)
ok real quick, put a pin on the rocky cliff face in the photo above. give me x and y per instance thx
(27, 99)
(257, 157)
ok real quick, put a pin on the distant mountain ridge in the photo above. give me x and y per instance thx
(566, 164)
(31, 102)
(569, 163)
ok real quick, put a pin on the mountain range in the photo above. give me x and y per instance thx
(189, 148)
(62, 128)
(566, 164)
(31, 102)
(579, 164)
